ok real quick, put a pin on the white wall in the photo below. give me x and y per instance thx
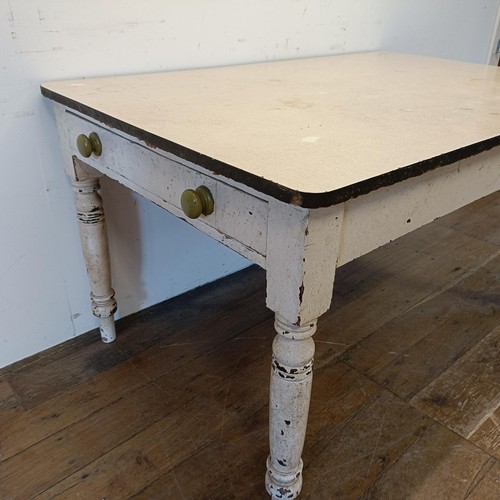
(43, 287)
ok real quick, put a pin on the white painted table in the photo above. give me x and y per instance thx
(311, 163)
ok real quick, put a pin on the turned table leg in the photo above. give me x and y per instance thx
(302, 251)
(291, 380)
(94, 239)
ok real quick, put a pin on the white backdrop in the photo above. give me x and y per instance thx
(43, 287)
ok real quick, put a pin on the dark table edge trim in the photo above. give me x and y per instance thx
(267, 187)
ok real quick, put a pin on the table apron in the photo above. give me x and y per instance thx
(239, 220)
(381, 216)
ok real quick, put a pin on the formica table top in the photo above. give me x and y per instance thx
(314, 131)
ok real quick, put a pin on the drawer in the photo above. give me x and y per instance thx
(238, 215)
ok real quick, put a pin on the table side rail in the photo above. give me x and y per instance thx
(381, 216)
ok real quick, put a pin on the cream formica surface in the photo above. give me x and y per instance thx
(309, 164)
(341, 120)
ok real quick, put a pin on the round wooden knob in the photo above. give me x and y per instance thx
(88, 145)
(195, 202)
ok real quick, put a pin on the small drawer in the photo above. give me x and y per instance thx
(237, 215)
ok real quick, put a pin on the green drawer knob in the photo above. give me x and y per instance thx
(195, 202)
(88, 145)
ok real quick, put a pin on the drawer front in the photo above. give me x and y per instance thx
(238, 215)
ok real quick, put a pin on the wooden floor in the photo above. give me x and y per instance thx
(405, 404)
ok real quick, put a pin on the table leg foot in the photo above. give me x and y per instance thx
(107, 329)
(290, 394)
(280, 485)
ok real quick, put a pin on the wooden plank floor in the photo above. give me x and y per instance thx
(405, 404)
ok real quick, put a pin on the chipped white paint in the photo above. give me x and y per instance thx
(239, 219)
(92, 225)
(301, 260)
(290, 394)
(55, 39)
(388, 213)
(299, 247)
